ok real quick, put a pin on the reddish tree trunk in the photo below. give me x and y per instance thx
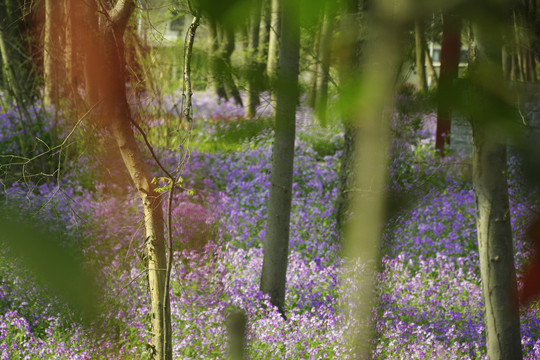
(450, 51)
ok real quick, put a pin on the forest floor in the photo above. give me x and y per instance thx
(428, 297)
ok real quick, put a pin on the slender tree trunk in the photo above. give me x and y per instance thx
(499, 286)
(450, 51)
(371, 143)
(276, 243)
(227, 50)
(17, 69)
(51, 55)
(264, 39)
(349, 64)
(222, 48)
(273, 47)
(314, 68)
(432, 74)
(420, 46)
(253, 78)
(525, 21)
(215, 73)
(324, 72)
(109, 82)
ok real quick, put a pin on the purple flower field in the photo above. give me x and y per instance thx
(428, 292)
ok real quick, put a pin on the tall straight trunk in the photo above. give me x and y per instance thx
(69, 53)
(51, 53)
(349, 64)
(525, 32)
(370, 145)
(499, 286)
(227, 50)
(314, 68)
(276, 242)
(215, 73)
(17, 69)
(253, 80)
(274, 46)
(264, 40)
(450, 51)
(420, 46)
(109, 82)
(432, 74)
(324, 66)
(222, 47)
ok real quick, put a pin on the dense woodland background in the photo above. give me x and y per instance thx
(268, 179)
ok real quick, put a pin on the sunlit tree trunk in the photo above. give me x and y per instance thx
(276, 242)
(420, 46)
(501, 309)
(450, 52)
(109, 82)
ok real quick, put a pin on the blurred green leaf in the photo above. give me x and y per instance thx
(54, 263)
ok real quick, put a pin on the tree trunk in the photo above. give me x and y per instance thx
(273, 47)
(450, 52)
(346, 176)
(227, 50)
(109, 82)
(432, 74)
(420, 46)
(314, 68)
(17, 70)
(222, 48)
(525, 21)
(264, 39)
(349, 64)
(253, 78)
(324, 68)
(215, 66)
(276, 243)
(51, 53)
(499, 286)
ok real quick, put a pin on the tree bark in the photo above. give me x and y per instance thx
(450, 52)
(324, 67)
(17, 68)
(420, 46)
(109, 82)
(222, 48)
(276, 243)
(499, 286)
(525, 22)
(349, 64)
(51, 53)
(253, 78)
(273, 47)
